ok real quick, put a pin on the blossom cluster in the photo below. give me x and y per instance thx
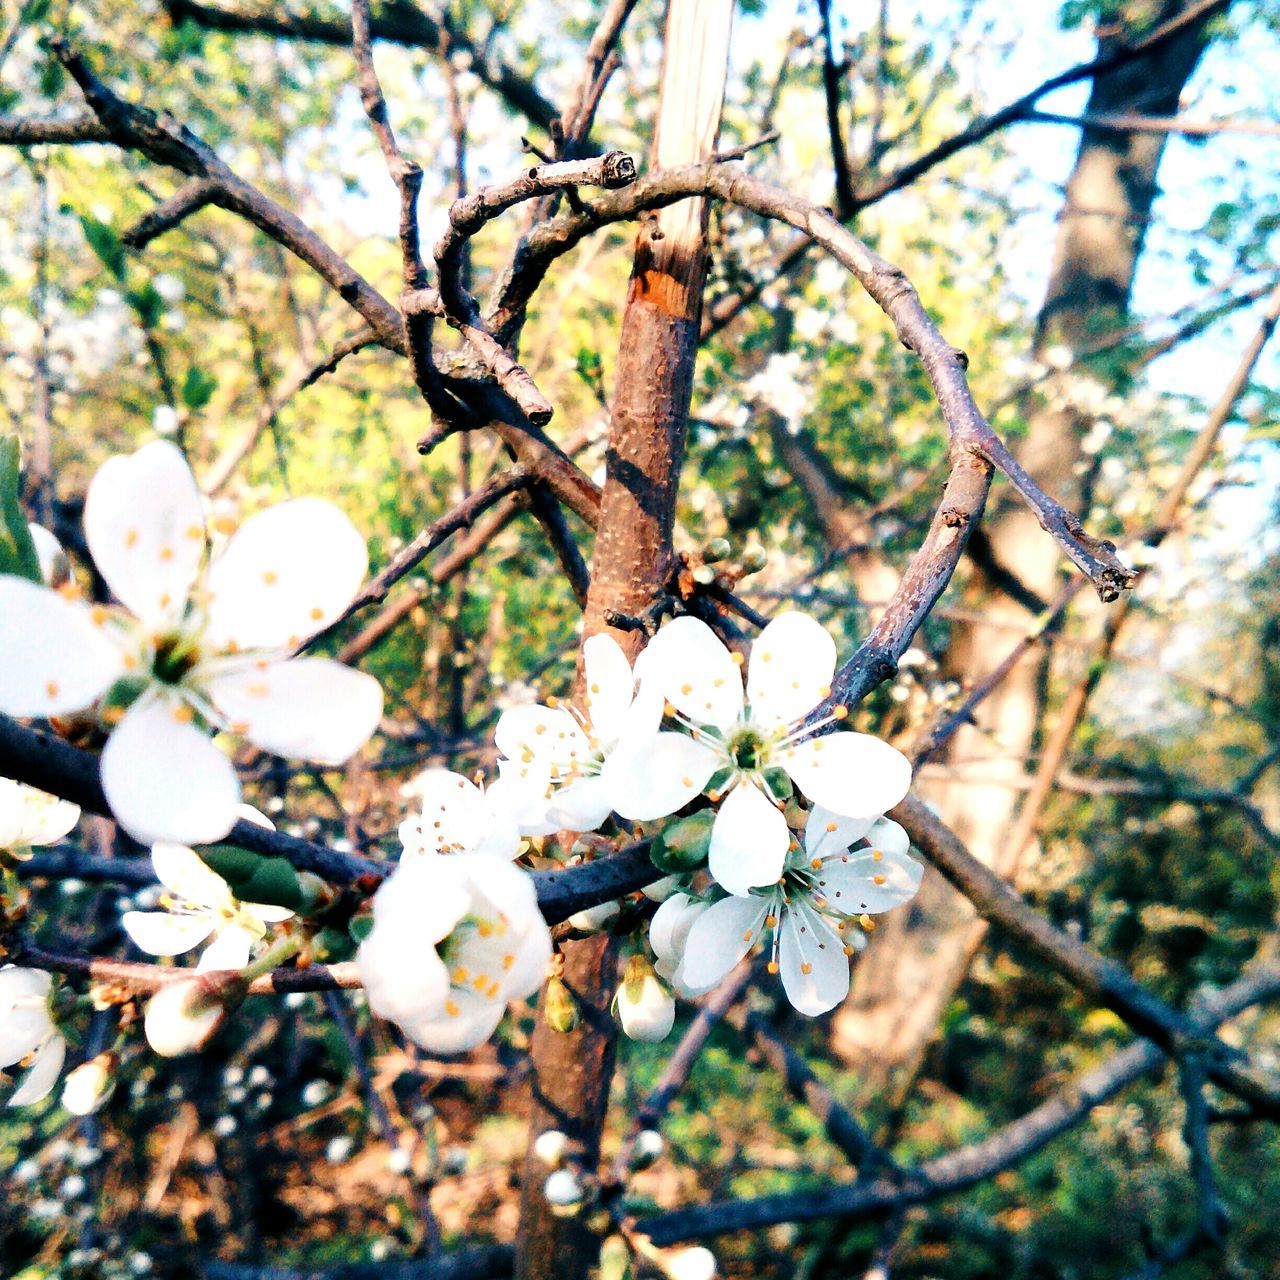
(770, 810)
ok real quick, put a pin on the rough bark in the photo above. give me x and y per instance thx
(631, 569)
(917, 961)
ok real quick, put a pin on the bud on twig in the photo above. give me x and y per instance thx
(560, 1008)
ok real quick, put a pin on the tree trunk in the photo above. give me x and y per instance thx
(918, 959)
(632, 569)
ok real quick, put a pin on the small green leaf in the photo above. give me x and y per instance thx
(254, 878)
(17, 550)
(105, 243)
(683, 846)
(198, 388)
(360, 927)
(148, 303)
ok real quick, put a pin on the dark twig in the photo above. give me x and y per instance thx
(17, 131)
(189, 198)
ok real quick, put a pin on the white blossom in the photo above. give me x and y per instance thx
(646, 1009)
(455, 938)
(558, 768)
(89, 1085)
(457, 817)
(182, 1017)
(740, 743)
(30, 817)
(810, 915)
(200, 906)
(28, 1034)
(199, 646)
(693, 1263)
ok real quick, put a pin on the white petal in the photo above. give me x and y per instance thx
(159, 933)
(43, 1074)
(610, 686)
(720, 937)
(267, 912)
(287, 573)
(145, 528)
(669, 928)
(229, 950)
(849, 773)
(456, 818)
(651, 1017)
(44, 819)
(815, 969)
(582, 805)
(792, 663)
(165, 780)
(54, 567)
(403, 976)
(499, 888)
(749, 840)
(537, 735)
(826, 833)
(529, 969)
(653, 777)
(870, 880)
(20, 983)
(304, 708)
(888, 836)
(694, 672)
(53, 660)
(182, 871)
(521, 791)
(468, 1021)
(22, 1030)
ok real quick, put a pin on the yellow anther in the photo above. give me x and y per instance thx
(507, 961)
(484, 928)
(878, 879)
(686, 782)
(98, 615)
(316, 613)
(806, 968)
(166, 553)
(195, 532)
(131, 538)
(51, 688)
(259, 690)
(848, 950)
(831, 826)
(183, 714)
(876, 855)
(746, 937)
(773, 966)
(686, 689)
(841, 713)
(270, 577)
(736, 659)
(553, 702)
(451, 1009)
(460, 975)
(771, 922)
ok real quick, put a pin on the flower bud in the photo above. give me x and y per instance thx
(661, 890)
(594, 919)
(564, 1193)
(183, 1016)
(694, 1263)
(649, 1146)
(716, 549)
(559, 1007)
(647, 1009)
(704, 575)
(89, 1085)
(550, 1147)
(754, 558)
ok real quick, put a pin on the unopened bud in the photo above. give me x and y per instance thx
(649, 1146)
(694, 1263)
(564, 1193)
(593, 919)
(646, 1008)
(183, 1016)
(550, 1147)
(683, 846)
(560, 1008)
(716, 549)
(704, 575)
(89, 1085)
(754, 558)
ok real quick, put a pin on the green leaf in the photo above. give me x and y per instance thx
(148, 304)
(17, 550)
(198, 388)
(34, 11)
(105, 243)
(254, 878)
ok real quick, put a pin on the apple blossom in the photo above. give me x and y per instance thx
(454, 939)
(200, 905)
(198, 647)
(183, 1016)
(457, 817)
(557, 769)
(28, 1033)
(825, 887)
(668, 932)
(646, 1008)
(739, 745)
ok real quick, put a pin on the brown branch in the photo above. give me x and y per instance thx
(832, 77)
(1135, 122)
(189, 198)
(395, 23)
(599, 62)
(17, 131)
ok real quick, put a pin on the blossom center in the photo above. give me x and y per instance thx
(176, 656)
(747, 748)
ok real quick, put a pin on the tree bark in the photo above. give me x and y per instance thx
(631, 570)
(918, 959)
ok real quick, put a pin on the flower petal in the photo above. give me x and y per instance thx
(164, 779)
(534, 735)
(182, 871)
(522, 791)
(22, 1031)
(468, 1020)
(610, 687)
(792, 664)
(230, 949)
(53, 660)
(694, 672)
(529, 970)
(160, 933)
(43, 1074)
(870, 880)
(720, 937)
(31, 817)
(145, 528)
(853, 774)
(826, 833)
(287, 573)
(456, 818)
(888, 836)
(669, 930)
(749, 840)
(815, 969)
(304, 708)
(54, 567)
(654, 776)
(20, 983)
(582, 805)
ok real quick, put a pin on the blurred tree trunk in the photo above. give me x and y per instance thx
(918, 959)
(631, 570)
